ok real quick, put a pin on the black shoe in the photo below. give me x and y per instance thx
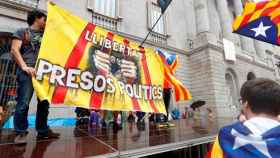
(48, 135)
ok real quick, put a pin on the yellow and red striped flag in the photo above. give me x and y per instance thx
(260, 21)
(81, 64)
(216, 151)
(170, 64)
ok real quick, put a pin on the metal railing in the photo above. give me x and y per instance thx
(8, 86)
(105, 21)
(158, 38)
(32, 3)
(196, 151)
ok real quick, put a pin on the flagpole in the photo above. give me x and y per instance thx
(92, 15)
(141, 45)
(163, 5)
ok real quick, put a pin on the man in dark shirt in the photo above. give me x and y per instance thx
(25, 48)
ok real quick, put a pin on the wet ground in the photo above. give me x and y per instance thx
(133, 140)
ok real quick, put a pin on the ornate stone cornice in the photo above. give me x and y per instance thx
(14, 9)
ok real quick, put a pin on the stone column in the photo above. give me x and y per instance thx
(260, 49)
(246, 43)
(223, 10)
(202, 17)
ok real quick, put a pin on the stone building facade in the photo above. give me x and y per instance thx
(193, 29)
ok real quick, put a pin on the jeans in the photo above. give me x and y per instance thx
(24, 95)
(167, 93)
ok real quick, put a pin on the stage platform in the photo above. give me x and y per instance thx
(134, 140)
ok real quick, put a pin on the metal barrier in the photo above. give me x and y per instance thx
(197, 151)
(7, 86)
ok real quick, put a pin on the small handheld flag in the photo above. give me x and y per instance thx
(170, 63)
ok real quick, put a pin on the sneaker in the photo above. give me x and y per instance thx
(160, 125)
(165, 125)
(21, 138)
(169, 124)
(48, 135)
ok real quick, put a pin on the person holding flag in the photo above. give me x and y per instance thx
(259, 135)
(170, 61)
(25, 48)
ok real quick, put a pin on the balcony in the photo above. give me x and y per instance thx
(105, 21)
(20, 4)
(158, 38)
(32, 3)
(17, 9)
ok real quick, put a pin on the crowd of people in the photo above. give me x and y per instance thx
(102, 118)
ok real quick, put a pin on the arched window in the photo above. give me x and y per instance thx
(231, 89)
(251, 76)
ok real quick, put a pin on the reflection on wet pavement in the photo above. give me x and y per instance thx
(84, 141)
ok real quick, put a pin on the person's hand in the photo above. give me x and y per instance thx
(29, 70)
(102, 61)
(128, 70)
(242, 118)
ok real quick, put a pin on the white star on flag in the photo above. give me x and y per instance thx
(256, 141)
(261, 30)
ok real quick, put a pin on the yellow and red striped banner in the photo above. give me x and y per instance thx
(216, 151)
(81, 64)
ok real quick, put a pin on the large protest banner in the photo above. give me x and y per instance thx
(81, 64)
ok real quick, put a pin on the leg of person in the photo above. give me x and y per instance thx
(42, 121)
(102, 120)
(140, 116)
(130, 117)
(151, 118)
(166, 99)
(1, 113)
(117, 120)
(83, 115)
(24, 95)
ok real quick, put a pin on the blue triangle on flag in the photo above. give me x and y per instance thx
(271, 30)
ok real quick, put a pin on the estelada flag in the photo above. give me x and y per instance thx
(247, 140)
(170, 60)
(260, 21)
(170, 64)
(81, 64)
